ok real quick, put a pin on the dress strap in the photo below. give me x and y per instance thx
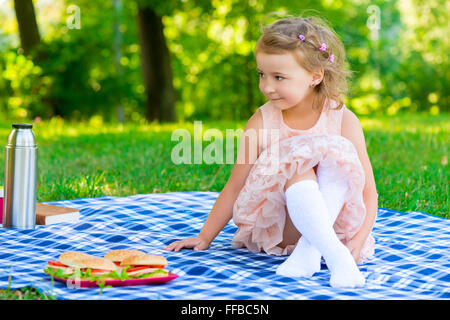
(334, 119)
(269, 122)
(339, 120)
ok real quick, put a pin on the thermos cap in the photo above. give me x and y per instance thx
(21, 138)
(22, 126)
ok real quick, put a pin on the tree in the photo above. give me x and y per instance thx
(156, 67)
(117, 51)
(28, 29)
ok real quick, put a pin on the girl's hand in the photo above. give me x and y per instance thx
(197, 243)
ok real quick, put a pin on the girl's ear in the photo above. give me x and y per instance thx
(317, 76)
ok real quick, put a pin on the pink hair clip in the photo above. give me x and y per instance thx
(322, 48)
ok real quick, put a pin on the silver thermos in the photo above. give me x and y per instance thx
(19, 203)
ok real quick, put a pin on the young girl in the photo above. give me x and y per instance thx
(321, 200)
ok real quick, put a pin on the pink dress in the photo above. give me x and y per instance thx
(260, 208)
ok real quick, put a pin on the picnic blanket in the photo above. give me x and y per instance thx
(411, 258)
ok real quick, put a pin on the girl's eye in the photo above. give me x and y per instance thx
(261, 75)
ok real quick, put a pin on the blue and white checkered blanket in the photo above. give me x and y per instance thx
(411, 259)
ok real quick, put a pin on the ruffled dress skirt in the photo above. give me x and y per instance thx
(260, 208)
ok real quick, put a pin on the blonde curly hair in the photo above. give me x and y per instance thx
(283, 35)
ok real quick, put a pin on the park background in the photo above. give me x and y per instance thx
(105, 83)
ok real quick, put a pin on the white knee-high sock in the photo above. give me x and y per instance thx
(309, 214)
(304, 261)
(333, 190)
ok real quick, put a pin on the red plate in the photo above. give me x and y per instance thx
(117, 283)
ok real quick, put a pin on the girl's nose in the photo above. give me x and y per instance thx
(267, 89)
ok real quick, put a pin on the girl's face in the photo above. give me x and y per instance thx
(282, 80)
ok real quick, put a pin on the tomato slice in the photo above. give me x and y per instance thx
(57, 264)
(137, 268)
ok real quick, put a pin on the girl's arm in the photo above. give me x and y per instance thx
(222, 211)
(352, 130)
(220, 214)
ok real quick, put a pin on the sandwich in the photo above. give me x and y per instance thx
(83, 267)
(144, 266)
(118, 255)
(121, 265)
(67, 262)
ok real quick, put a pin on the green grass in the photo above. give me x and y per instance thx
(409, 155)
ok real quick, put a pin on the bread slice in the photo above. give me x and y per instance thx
(120, 254)
(97, 263)
(72, 258)
(144, 260)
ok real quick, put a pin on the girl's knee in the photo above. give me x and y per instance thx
(308, 175)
